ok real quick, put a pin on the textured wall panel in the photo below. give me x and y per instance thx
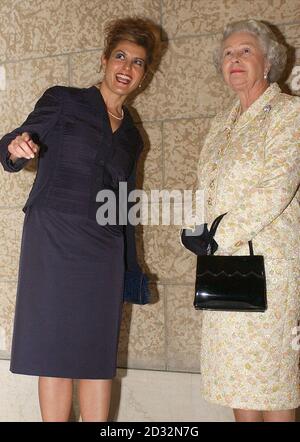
(188, 85)
(149, 168)
(7, 307)
(85, 68)
(26, 81)
(142, 339)
(183, 329)
(11, 222)
(15, 187)
(162, 255)
(37, 28)
(183, 141)
(194, 17)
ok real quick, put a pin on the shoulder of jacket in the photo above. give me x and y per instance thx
(63, 92)
(284, 104)
(284, 116)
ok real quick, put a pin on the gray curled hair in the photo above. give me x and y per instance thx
(275, 52)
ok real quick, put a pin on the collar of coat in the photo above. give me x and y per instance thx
(261, 105)
(95, 99)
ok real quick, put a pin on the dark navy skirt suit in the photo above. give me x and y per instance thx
(71, 273)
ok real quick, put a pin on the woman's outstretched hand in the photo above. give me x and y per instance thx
(22, 147)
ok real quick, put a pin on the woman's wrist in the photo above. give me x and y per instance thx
(12, 157)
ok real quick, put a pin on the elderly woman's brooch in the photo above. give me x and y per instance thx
(267, 108)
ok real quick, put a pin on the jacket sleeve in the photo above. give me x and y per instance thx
(268, 199)
(38, 123)
(130, 242)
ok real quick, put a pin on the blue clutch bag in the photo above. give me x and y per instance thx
(136, 290)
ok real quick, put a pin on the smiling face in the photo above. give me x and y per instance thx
(125, 68)
(243, 62)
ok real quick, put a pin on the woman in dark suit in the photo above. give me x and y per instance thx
(71, 274)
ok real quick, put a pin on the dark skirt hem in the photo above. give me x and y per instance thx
(32, 372)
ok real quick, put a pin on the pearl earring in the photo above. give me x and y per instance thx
(265, 75)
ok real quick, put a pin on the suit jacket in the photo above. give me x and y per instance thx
(79, 154)
(251, 170)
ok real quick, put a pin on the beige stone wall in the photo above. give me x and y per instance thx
(43, 43)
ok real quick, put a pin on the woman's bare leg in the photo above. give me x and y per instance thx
(94, 399)
(55, 395)
(265, 416)
(248, 415)
(280, 416)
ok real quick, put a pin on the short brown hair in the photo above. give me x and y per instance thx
(141, 31)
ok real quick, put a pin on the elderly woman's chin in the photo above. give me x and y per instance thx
(236, 82)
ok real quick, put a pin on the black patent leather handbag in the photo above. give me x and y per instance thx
(230, 283)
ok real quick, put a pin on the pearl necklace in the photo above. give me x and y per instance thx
(117, 118)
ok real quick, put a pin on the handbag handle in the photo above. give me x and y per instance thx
(213, 230)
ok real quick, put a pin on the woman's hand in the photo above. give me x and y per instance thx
(199, 241)
(22, 147)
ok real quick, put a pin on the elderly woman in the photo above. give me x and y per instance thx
(249, 167)
(71, 277)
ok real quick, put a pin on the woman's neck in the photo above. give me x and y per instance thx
(248, 96)
(112, 101)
